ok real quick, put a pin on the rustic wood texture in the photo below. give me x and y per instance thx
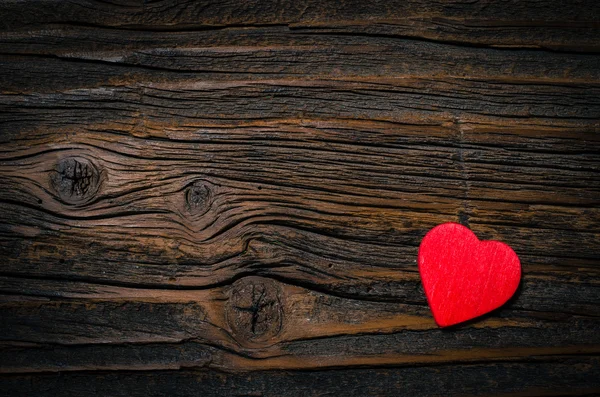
(227, 197)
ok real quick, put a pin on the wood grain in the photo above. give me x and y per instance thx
(533, 24)
(215, 198)
(573, 375)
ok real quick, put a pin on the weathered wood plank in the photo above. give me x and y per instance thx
(570, 376)
(264, 53)
(393, 99)
(290, 327)
(547, 24)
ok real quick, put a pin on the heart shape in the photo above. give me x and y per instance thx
(464, 277)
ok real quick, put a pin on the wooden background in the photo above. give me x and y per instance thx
(226, 197)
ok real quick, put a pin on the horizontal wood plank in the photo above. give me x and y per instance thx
(292, 327)
(571, 377)
(538, 24)
(263, 53)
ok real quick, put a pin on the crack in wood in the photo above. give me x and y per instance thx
(464, 212)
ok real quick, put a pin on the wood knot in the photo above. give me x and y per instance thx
(75, 179)
(198, 197)
(254, 312)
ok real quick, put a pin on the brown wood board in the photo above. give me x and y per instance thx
(227, 198)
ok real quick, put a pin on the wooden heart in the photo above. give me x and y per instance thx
(464, 277)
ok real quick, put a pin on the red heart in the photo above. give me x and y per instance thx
(463, 277)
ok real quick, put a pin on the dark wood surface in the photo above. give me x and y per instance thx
(227, 197)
